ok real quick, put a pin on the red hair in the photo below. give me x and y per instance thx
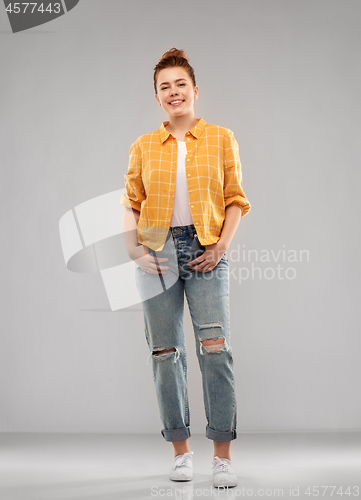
(170, 59)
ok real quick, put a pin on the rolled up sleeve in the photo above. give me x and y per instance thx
(135, 192)
(233, 186)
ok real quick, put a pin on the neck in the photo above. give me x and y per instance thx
(181, 123)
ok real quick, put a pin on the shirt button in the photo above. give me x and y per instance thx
(188, 133)
(189, 175)
(196, 223)
(190, 190)
(188, 139)
(192, 206)
(188, 159)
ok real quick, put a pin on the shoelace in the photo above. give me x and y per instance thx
(221, 465)
(182, 459)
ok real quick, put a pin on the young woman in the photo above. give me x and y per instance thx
(184, 200)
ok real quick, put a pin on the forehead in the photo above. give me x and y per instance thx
(171, 74)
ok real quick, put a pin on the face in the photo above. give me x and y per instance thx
(174, 84)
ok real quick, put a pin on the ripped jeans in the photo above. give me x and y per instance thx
(163, 308)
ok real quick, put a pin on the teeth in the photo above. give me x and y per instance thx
(175, 102)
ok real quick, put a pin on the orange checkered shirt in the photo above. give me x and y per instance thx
(214, 179)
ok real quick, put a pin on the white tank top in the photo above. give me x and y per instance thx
(181, 215)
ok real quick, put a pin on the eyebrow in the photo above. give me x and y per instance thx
(179, 79)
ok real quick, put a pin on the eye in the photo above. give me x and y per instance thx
(164, 88)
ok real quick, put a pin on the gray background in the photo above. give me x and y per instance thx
(75, 93)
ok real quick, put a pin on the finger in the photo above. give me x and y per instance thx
(154, 271)
(159, 266)
(159, 269)
(195, 262)
(198, 261)
(206, 267)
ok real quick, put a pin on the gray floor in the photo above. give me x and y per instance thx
(117, 466)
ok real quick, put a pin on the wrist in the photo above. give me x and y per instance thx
(223, 243)
(136, 252)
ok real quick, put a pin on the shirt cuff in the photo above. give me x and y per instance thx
(124, 200)
(244, 205)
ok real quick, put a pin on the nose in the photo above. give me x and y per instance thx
(173, 91)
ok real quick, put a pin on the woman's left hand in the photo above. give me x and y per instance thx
(209, 258)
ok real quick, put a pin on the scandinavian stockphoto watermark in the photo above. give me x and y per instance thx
(190, 491)
(266, 264)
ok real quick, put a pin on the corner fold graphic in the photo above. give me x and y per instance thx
(70, 4)
(23, 16)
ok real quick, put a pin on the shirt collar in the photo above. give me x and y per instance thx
(196, 131)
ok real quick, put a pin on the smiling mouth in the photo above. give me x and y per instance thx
(176, 103)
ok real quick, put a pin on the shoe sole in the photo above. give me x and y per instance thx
(181, 479)
(223, 485)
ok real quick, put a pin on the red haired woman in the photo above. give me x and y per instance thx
(184, 200)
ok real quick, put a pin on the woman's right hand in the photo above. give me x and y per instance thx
(149, 262)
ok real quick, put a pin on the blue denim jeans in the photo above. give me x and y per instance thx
(163, 308)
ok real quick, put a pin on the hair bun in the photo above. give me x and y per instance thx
(175, 52)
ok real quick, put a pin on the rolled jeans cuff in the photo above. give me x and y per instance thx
(220, 436)
(176, 434)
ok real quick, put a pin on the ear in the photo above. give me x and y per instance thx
(157, 98)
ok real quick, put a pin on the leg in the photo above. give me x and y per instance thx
(208, 299)
(181, 447)
(164, 330)
(222, 449)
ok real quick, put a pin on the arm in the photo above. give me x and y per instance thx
(236, 203)
(233, 185)
(132, 200)
(230, 225)
(140, 253)
(130, 221)
(135, 191)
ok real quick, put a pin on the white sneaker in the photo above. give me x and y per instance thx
(182, 469)
(223, 474)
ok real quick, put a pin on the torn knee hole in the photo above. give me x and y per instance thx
(213, 345)
(161, 352)
(219, 340)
